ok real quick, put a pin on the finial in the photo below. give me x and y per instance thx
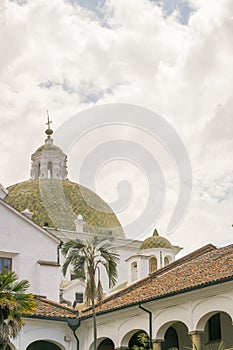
(155, 233)
(49, 131)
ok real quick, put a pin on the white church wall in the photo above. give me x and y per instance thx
(26, 244)
(69, 292)
(48, 281)
(52, 331)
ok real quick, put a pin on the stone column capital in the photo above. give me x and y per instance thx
(158, 340)
(196, 339)
(157, 343)
(196, 333)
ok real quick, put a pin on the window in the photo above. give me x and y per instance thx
(50, 170)
(152, 265)
(79, 298)
(214, 327)
(166, 260)
(134, 271)
(5, 264)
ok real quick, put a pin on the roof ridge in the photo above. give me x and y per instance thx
(191, 256)
(207, 266)
(55, 303)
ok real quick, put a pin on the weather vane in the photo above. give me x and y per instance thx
(49, 131)
(49, 122)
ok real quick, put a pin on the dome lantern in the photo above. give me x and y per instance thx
(49, 162)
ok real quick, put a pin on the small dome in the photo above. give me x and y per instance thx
(48, 147)
(155, 241)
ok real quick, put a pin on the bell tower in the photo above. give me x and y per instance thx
(49, 162)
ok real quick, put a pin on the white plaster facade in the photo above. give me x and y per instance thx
(33, 251)
(49, 162)
(188, 313)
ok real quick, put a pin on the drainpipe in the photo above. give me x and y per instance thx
(74, 324)
(150, 324)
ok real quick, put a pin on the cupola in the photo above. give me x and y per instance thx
(49, 162)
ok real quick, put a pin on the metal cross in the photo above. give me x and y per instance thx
(49, 122)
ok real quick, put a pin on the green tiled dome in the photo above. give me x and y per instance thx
(155, 241)
(58, 202)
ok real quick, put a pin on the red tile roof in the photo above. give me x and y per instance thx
(201, 268)
(51, 310)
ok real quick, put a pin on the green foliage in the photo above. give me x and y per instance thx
(143, 340)
(14, 303)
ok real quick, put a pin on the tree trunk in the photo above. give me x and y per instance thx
(94, 325)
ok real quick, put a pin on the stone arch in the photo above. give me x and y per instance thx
(167, 318)
(175, 334)
(217, 328)
(45, 345)
(131, 325)
(126, 338)
(103, 343)
(171, 339)
(134, 339)
(204, 310)
(106, 344)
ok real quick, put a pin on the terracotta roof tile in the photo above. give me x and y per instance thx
(51, 310)
(205, 266)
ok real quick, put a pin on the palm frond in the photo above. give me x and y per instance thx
(14, 303)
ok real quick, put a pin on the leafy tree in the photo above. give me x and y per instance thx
(143, 340)
(86, 258)
(14, 303)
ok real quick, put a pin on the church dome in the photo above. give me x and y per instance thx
(55, 201)
(155, 241)
(58, 203)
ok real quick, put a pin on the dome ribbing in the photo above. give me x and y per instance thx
(155, 241)
(58, 202)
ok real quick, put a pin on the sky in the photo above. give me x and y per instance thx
(172, 57)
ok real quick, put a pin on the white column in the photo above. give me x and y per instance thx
(196, 339)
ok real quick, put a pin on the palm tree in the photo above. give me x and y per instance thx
(86, 258)
(14, 303)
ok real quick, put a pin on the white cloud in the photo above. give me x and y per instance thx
(62, 57)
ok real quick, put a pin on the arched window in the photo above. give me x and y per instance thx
(134, 271)
(152, 265)
(50, 170)
(167, 260)
(38, 170)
